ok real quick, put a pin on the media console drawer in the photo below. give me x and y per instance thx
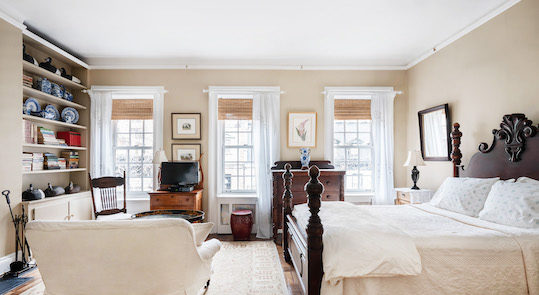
(176, 200)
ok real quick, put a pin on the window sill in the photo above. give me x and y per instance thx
(238, 195)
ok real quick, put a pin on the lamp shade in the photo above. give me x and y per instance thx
(414, 159)
(159, 157)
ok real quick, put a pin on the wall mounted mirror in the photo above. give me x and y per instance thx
(434, 130)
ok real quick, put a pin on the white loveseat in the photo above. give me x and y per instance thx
(132, 257)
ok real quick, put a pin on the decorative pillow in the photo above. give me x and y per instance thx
(527, 180)
(463, 195)
(202, 230)
(515, 204)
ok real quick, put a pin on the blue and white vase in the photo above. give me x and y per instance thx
(305, 157)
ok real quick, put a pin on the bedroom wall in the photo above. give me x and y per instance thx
(10, 130)
(492, 71)
(302, 94)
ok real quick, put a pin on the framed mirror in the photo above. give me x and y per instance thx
(434, 130)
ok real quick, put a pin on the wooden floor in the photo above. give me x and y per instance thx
(290, 275)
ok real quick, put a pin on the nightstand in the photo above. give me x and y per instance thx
(412, 196)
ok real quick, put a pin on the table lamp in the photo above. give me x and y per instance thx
(158, 158)
(414, 159)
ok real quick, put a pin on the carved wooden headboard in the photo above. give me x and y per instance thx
(514, 151)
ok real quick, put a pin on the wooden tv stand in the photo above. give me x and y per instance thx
(176, 200)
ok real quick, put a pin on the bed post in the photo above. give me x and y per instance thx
(456, 155)
(314, 233)
(287, 208)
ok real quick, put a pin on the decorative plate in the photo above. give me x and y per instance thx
(31, 105)
(51, 113)
(70, 115)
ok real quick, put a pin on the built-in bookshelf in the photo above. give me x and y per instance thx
(41, 49)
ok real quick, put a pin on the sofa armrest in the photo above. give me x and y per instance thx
(208, 249)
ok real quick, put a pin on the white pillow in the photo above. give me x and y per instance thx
(463, 195)
(515, 204)
(202, 230)
(527, 180)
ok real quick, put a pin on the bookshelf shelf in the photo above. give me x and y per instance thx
(48, 146)
(31, 92)
(52, 122)
(31, 68)
(54, 171)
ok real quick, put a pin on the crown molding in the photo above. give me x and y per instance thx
(492, 14)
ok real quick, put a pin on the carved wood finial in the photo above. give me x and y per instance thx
(456, 154)
(287, 208)
(514, 131)
(314, 231)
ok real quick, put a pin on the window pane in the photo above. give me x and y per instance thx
(136, 126)
(233, 183)
(351, 168)
(135, 170)
(135, 184)
(231, 154)
(135, 156)
(147, 170)
(148, 156)
(148, 126)
(120, 168)
(122, 126)
(136, 139)
(352, 182)
(364, 126)
(231, 125)
(148, 140)
(338, 139)
(364, 138)
(244, 139)
(352, 154)
(365, 154)
(147, 184)
(338, 126)
(245, 154)
(121, 156)
(351, 139)
(122, 140)
(245, 125)
(340, 165)
(231, 138)
(351, 125)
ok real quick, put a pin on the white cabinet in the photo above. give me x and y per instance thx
(67, 207)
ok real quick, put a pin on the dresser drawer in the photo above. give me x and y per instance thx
(172, 201)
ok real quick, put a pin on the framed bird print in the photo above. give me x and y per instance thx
(302, 129)
(186, 126)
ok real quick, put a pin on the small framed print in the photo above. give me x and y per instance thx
(185, 152)
(186, 126)
(302, 129)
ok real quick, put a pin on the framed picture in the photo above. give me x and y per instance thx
(185, 152)
(302, 129)
(186, 126)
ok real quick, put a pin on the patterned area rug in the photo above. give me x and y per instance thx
(240, 268)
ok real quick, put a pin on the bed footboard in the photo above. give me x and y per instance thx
(305, 256)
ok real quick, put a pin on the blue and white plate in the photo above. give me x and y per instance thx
(70, 115)
(51, 113)
(31, 105)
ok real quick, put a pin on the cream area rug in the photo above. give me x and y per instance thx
(239, 268)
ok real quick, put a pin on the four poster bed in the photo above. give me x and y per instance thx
(418, 248)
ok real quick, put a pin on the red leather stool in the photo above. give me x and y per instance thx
(241, 222)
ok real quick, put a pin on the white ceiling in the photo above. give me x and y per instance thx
(362, 33)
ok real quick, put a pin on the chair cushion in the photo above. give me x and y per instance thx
(117, 216)
(202, 230)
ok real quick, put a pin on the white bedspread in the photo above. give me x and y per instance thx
(367, 245)
(459, 255)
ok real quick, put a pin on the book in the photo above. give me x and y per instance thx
(46, 136)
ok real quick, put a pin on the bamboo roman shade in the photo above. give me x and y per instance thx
(132, 109)
(352, 109)
(235, 109)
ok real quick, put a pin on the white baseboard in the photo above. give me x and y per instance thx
(6, 261)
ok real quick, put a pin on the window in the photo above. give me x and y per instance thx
(133, 142)
(238, 170)
(352, 143)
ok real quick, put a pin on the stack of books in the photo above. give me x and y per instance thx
(37, 161)
(71, 158)
(27, 162)
(62, 163)
(29, 131)
(27, 81)
(46, 136)
(51, 162)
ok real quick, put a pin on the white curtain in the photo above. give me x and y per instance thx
(382, 133)
(329, 118)
(214, 159)
(101, 158)
(266, 119)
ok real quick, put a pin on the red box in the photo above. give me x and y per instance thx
(72, 138)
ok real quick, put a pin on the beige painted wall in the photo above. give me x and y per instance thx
(492, 71)
(10, 130)
(302, 94)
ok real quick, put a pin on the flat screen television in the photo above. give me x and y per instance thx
(179, 173)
